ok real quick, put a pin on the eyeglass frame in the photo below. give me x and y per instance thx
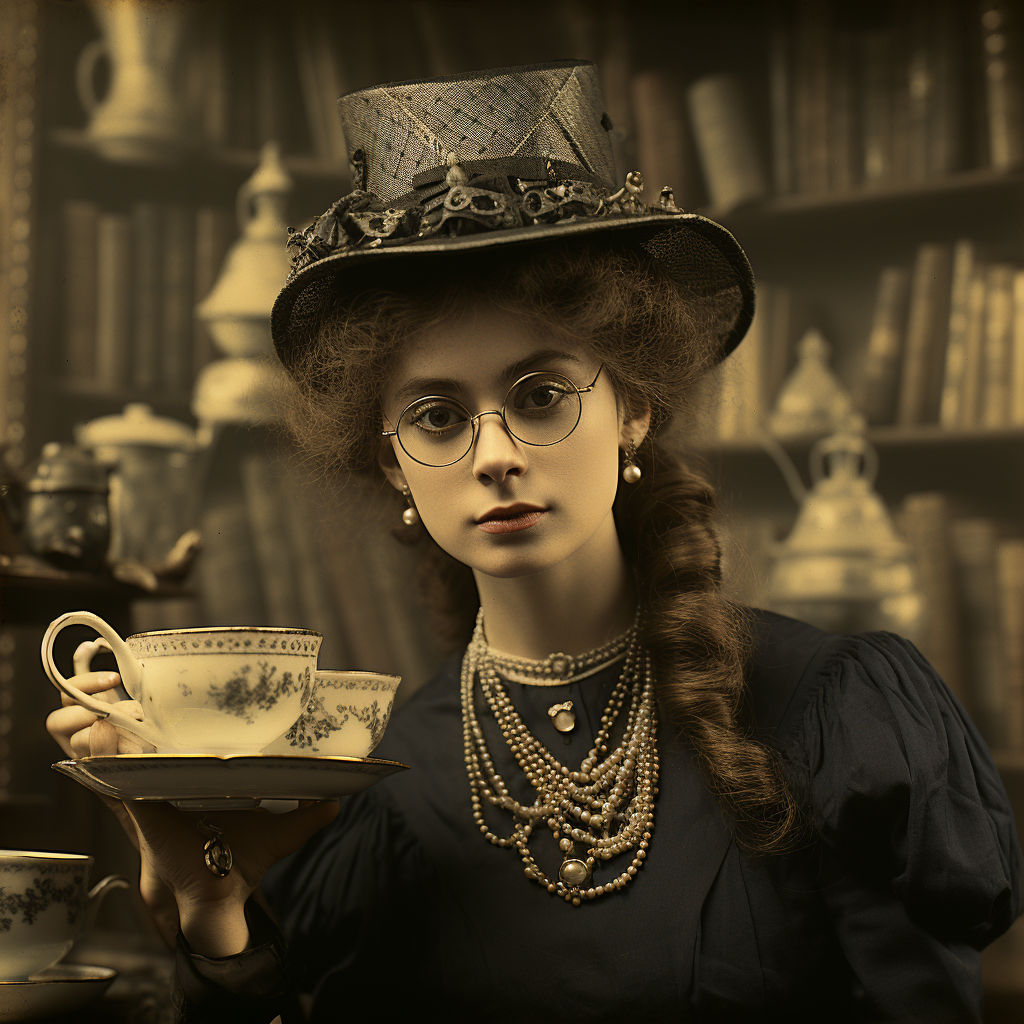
(474, 420)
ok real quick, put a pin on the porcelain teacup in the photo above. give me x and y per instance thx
(211, 690)
(44, 906)
(346, 715)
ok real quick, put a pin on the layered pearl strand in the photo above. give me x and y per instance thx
(607, 806)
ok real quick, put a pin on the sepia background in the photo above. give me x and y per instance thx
(869, 156)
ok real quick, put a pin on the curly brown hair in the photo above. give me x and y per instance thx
(657, 342)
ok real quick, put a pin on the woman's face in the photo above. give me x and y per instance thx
(508, 508)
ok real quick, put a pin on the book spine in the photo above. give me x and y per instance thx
(1010, 570)
(80, 223)
(920, 88)
(725, 142)
(900, 101)
(880, 379)
(113, 301)
(811, 98)
(927, 330)
(302, 35)
(1017, 353)
(778, 349)
(844, 158)
(876, 120)
(974, 351)
(215, 231)
(178, 289)
(974, 551)
(995, 403)
(1004, 80)
(147, 239)
(947, 125)
(959, 323)
(926, 524)
(331, 87)
(780, 94)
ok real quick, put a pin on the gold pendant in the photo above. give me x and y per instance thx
(574, 872)
(562, 716)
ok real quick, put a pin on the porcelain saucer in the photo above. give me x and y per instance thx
(58, 989)
(201, 782)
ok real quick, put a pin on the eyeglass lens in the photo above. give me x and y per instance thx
(540, 409)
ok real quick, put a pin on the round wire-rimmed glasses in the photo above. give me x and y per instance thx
(540, 409)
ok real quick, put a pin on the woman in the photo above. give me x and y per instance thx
(696, 811)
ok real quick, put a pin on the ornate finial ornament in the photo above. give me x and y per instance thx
(512, 156)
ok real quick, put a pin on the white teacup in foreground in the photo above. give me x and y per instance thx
(214, 690)
(346, 715)
(44, 907)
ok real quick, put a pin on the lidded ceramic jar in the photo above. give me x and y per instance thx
(153, 494)
(66, 519)
(843, 568)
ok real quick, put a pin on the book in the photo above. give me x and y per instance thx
(1010, 573)
(777, 306)
(918, 85)
(925, 522)
(974, 350)
(1017, 353)
(215, 230)
(973, 544)
(663, 148)
(995, 394)
(725, 140)
(147, 245)
(1004, 82)
(811, 91)
(176, 357)
(79, 350)
(920, 390)
(947, 129)
(113, 302)
(879, 381)
(876, 106)
(843, 120)
(950, 413)
(780, 98)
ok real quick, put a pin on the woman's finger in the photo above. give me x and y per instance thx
(102, 739)
(99, 683)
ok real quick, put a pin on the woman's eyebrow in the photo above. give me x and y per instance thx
(417, 386)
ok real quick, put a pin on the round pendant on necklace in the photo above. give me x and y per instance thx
(573, 872)
(562, 717)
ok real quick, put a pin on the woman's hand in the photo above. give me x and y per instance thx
(174, 881)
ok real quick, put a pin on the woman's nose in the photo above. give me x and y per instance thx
(496, 453)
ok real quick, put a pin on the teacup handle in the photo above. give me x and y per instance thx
(130, 669)
(96, 895)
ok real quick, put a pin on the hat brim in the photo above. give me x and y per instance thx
(697, 252)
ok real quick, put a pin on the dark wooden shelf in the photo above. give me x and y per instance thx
(77, 140)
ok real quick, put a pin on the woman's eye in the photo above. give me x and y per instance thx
(435, 418)
(540, 396)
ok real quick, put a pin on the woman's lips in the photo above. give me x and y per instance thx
(512, 523)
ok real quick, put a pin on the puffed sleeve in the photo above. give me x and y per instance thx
(921, 850)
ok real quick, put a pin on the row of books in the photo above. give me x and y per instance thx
(972, 582)
(885, 94)
(131, 283)
(947, 342)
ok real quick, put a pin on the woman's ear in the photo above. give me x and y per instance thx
(389, 464)
(635, 429)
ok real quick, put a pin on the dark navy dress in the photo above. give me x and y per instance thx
(401, 910)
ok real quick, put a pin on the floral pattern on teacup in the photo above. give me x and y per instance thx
(317, 723)
(242, 697)
(41, 894)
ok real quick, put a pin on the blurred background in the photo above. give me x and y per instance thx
(867, 438)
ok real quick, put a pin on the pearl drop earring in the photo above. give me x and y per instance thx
(631, 471)
(410, 516)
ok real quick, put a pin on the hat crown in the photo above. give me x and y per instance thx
(551, 111)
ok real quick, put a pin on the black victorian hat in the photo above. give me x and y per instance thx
(510, 157)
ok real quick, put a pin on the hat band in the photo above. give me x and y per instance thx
(529, 168)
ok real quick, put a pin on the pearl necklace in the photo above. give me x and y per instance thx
(607, 806)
